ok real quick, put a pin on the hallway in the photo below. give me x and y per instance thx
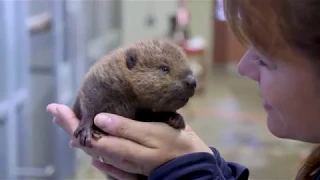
(230, 117)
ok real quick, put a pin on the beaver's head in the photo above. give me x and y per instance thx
(159, 75)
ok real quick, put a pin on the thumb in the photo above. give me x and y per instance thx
(117, 125)
(128, 128)
(105, 122)
(188, 128)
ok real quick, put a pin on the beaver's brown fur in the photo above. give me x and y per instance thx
(148, 80)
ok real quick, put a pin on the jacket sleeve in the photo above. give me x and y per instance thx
(200, 166)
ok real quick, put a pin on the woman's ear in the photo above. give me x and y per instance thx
(131, 58)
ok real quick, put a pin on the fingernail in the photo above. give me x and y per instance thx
(54, 120)
(102, 120)
(51, 108)
(57, 110)
(72, 144)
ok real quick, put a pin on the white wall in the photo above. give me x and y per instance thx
(135, 14)
(202, 22)
(201, 17)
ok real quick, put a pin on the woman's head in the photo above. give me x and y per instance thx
(284, 57)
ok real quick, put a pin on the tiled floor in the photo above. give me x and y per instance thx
(229, 116)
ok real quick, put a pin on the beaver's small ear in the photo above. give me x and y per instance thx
(131, 58)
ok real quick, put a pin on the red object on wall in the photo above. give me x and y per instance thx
(226, 48)
(190, 51)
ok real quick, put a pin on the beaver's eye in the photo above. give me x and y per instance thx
(164, 68)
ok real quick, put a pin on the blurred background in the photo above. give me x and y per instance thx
(46, 46)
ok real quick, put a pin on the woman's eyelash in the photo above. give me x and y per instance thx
(261, 63)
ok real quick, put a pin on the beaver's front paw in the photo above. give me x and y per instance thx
(86, 133)
(177, 121)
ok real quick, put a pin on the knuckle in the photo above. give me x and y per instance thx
(143, 170)
(111, 171)
(121, 130)
(147, 138)
(148, 133)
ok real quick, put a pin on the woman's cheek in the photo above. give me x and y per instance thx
(273, 89)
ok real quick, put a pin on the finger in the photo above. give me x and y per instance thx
(188, 128)
(122, 153)
(112, 171)
(64, 117)
(140, 132)
(69, 119)
(52, 108)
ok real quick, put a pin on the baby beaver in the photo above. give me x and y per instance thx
(148, 81)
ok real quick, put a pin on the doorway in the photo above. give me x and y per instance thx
(227, 50)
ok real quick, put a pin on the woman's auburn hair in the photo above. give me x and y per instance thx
(276, 27)
(273, 26)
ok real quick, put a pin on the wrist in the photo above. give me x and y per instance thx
(185, 164)
(207, 152)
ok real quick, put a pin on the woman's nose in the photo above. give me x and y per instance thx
(248, 67)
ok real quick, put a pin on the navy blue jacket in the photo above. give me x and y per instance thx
(200, 166)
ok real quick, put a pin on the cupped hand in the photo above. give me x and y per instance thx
(132, 147)
(65, 118)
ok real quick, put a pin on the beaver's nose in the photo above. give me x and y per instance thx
(191, 82)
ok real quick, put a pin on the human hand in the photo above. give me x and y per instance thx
(65, 118)
(132, 146)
